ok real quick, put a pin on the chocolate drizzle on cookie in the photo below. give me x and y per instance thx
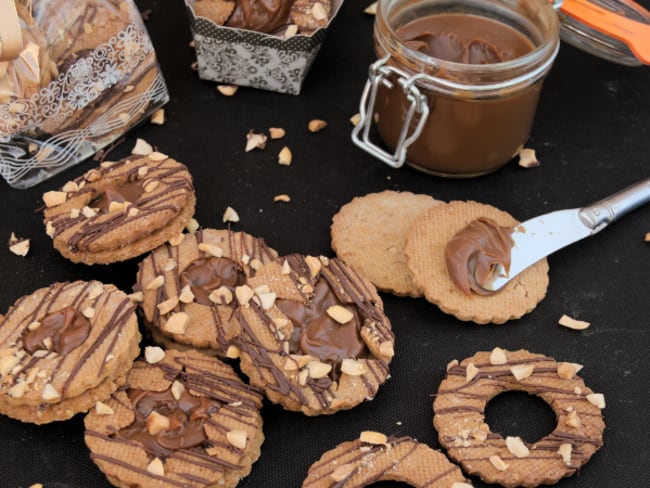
(208, 401)
(301, 365)
(460, 418)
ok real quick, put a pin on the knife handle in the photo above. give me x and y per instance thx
(599, 215)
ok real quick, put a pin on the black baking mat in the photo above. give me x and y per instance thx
(591, 136)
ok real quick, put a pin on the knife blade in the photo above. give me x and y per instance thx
(541, 236)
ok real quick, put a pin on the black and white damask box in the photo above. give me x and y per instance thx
(235, 56)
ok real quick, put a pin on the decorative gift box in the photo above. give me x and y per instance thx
(86, 74)
(270, 61)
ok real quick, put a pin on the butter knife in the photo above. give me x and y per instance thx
(543, 235)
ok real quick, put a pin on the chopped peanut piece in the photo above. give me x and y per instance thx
(470, 372)
(282, 198)
(373, 437)
(316, 125)
(157, 423)
(276, 132)
(18, 246)
(156, 467)
(522, 371)
(371, 10)
(255, 141)
(342, 472)
(54, 198)
(237, 438)
(355, 119)
(565, 452)
(227, 90)
(572, 323)
(244, 293)
(517, 447)
(211, 249)
(498, 356)
(50, 393)
(156, 283)
(597, 399)
(141, 148)
(339, 313)
(352, 367)
(317, 369)
(318, 12)
(158, 117)
(230, 215)
(527, 158)
(102, 409)
(285, 157)
(452, 364)
(498, 463)
(177, 323)
(177, 390)
(573, 420)
(153, 354)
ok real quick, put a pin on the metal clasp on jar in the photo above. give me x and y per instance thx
(382, 74)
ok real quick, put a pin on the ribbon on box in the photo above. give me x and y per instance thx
(11, 40)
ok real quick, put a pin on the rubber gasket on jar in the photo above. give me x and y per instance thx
(459, 418)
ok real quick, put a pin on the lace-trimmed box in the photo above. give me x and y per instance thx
(243, 47)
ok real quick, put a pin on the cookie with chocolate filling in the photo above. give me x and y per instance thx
(313, 334)
(369, 233)
(188, 288)
(459, 418)
(217, 11)
(63, 348)
(374, 457)
(186, 420)
(120, 210)
(426, 247)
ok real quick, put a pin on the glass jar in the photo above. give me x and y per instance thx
(450, 118)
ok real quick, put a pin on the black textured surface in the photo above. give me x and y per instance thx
(592, 135)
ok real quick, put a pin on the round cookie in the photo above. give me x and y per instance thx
(188, 288)
(63, 348)
(425, 253)
(369, 233)
(313, 335)
(185, 420)
(374, 457)
(120, 210)
(459, 418)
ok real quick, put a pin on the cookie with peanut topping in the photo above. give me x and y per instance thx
(459, 418)
(369, 233)
(375, 457)
(120, 210)
(181, 419)
(188, 287)
(313, 334)
(63, 348)
(426, 259)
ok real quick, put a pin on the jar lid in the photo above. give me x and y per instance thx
(615, 30)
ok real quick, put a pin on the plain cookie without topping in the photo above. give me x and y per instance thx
(425, 253)
(185, 421)
(63, 348)
(459, 418)
(120, 210)
(369, 233)
(314, 335)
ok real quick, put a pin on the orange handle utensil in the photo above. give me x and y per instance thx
(636, 35)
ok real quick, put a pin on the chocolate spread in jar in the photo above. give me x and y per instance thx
(473, 254)
(463, 136)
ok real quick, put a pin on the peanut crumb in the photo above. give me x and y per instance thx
(316, 125)
(255, 140)
(285, 157)
(158, 117)
(230, 215)
(282, 198)
(227, 90)
(141, 148)
(276, 132)
(527, 158)
(371, 9)
(572, 323)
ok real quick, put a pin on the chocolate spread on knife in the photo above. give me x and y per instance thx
(66, 328)
(205, 275)
(462, 135)
(473, 254)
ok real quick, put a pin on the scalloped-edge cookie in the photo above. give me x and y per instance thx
(459, 418)
(185, 420)
(313, 335)
(375, 457)
(425, 252)
(120, 210)
(64, 347)
(369, 233)
(188, 287)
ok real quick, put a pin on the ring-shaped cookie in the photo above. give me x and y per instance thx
(313, 335)
(459, 418)
(359, 463)
(120, 210)
(186, 420)
(185, 298)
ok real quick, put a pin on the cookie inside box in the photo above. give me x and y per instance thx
(276, 57)
(86, 74)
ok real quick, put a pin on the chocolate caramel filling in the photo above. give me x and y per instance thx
(205, 275)
(129, 191)
(186, 417)
(66, 329)
(266, 16)
(319, 335)
(474, 253)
